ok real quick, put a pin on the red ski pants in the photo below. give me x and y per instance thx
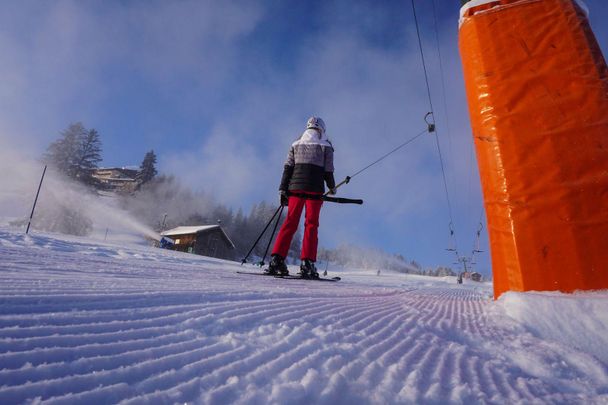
(290, 226)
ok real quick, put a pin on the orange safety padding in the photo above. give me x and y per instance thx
(537, 87)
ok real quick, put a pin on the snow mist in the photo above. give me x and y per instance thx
(63, 205)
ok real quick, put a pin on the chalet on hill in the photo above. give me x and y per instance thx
(116, 178)
(205, 240)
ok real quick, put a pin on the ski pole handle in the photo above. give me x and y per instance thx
(345, 181)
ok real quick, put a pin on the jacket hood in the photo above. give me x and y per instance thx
(313, 136)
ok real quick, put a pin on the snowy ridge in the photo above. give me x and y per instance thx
(89, 323)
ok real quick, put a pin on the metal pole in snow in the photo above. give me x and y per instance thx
(162, 227)
(35, 201)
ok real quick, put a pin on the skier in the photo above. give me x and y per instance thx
(309, 165)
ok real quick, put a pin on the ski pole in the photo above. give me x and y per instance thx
(260, 237)
(325, 197)
(341, 200)
(272, 236)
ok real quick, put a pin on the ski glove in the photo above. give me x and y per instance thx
(283, 199)
(332, 191)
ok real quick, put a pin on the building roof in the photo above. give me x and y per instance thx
(131, 168)
(115, 177)
(188, 230)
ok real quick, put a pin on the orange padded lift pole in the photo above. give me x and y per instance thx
(537, 87)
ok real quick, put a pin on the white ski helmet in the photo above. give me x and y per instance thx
(316, 123)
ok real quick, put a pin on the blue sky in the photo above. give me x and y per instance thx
(219, 90)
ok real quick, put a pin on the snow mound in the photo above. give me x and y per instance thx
(579, 320)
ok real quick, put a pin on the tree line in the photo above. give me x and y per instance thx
(377, 259)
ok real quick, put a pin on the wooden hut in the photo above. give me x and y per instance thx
(205, 240)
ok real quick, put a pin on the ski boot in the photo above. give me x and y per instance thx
(308, 269)
(277, 267)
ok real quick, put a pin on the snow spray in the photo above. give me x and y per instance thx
(59, 195)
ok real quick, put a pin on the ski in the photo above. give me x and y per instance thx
(289, 277)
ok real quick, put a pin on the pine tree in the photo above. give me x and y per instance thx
(76, 153)
(147, 170)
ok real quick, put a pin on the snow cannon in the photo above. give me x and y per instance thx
(537, 89)
(166, 243)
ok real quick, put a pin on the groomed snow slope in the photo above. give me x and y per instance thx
(84, 322)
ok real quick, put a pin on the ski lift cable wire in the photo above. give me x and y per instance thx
(391, 152)
(443, 91)
(447, 118)
(444, 95)
(480, 227)
(428, 89)
(348, 178)
(470, 178)
(426, 76)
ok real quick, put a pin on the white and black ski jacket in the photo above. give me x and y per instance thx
(309, 164)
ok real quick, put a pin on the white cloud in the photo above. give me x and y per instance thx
(61, 61)
(226, 165)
